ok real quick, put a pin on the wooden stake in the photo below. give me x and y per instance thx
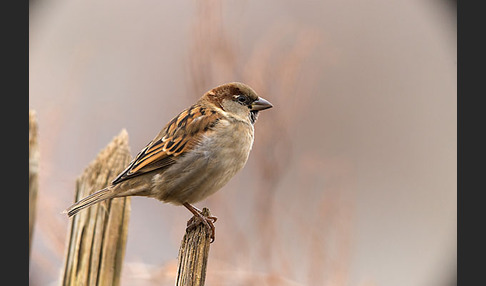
(97, 235)
(33, 172)
(193, 254)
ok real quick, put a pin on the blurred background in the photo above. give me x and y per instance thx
(352, 177)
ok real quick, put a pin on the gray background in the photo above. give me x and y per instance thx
(352, 178)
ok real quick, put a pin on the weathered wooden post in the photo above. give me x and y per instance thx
(33, 172)
(97, 235)
(193, 254)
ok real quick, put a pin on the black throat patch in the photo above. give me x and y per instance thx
(253, 116)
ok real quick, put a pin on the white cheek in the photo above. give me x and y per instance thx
(236, 109)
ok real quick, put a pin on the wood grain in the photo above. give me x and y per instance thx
(97, 235)
(33, 172)
(193, 254)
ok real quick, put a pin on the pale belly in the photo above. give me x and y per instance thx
(207, 168)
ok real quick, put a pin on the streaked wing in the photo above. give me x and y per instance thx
(178, 137)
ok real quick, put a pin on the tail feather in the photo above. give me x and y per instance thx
(92, 199)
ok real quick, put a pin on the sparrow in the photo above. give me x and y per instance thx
(194, 155)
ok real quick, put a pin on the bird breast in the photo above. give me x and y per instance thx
(209, 166)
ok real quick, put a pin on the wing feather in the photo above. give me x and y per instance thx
(178, 137)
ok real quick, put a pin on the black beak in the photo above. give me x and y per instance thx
(260, 104)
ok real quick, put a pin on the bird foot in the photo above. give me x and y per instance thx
(201, 216)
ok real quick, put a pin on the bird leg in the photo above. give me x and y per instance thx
(207, 220)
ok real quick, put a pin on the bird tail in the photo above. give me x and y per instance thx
(92, 199)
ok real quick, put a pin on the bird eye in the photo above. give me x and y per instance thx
(242, 99)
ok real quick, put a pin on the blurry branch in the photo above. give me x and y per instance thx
(193, 254)
(327, 220)
(277, 66)
(98, 234)
(273, 68)
(212, 57)
(33, 172)
(275, 74)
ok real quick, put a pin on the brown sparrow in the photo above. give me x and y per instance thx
(194, 155)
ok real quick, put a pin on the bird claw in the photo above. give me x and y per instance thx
(207, 221)
(204, 217)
